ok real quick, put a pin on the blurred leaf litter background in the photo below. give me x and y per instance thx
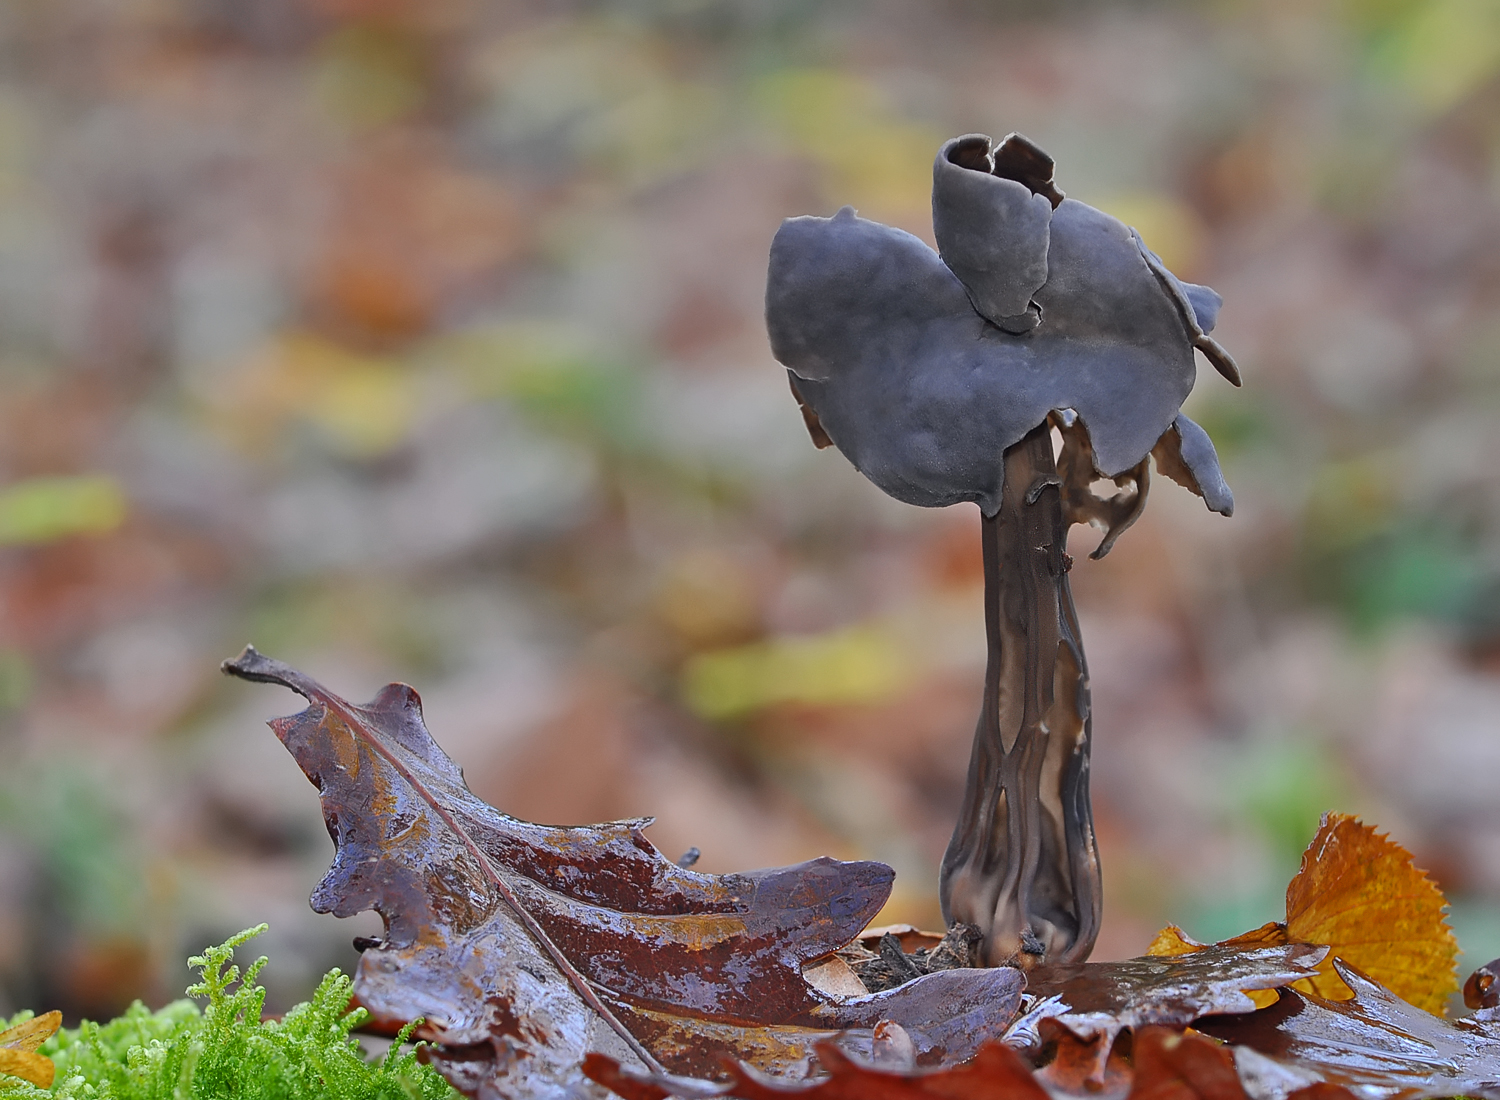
(422, 340)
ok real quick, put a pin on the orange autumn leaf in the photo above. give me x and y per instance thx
(1172, 941)
(1271, 934)
(18, 1045)
(1359, 892)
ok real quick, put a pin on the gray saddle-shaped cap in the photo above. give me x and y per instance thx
(923, 366)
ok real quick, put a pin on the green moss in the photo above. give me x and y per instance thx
(225, 1050)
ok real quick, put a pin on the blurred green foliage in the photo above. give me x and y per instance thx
(1440, 50)
(1285, 786)
(1410, 569)
(71, 813)
(45, 509)
(862, 665)
(368, 75)
(559, 380)
(1280, 786)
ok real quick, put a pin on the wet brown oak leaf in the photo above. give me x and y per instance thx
(527, 946)
(1359, 892)
(1078, 1012)
(1373, 1046)
(1156, 1063)
(1163, 1064)
(18, 1045)
(1373, 1042)
(996, 1073)
(1103, 999)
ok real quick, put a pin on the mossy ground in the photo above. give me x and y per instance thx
(224, 1049)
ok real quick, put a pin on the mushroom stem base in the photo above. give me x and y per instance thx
(1023, 865)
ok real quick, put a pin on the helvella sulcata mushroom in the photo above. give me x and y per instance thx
(942, 376)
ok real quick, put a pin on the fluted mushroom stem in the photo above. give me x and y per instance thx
(1023, 866)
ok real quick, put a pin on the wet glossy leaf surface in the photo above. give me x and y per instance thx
(996, 1073)
(1105, 998)
(526, 946)
(1375, 1041)
(1159, 1064)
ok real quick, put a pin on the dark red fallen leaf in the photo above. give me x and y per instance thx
(996, 1073)
(1151, 1062)
(1375, 1042)
(1164, 1064)
(1177, 1065)
(1374, 1047)
(1322, 1091)
(527, 946)
(606, 1071)
(1074, 1066)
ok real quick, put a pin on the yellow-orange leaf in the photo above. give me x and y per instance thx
(28, 1067)
(1359, 892)
(18, 1045)
(1272, 934)
(1172, 941)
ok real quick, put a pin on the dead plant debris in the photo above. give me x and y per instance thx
(553, 962)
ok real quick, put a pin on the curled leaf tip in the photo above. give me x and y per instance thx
(249, 658)
(255, 666)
